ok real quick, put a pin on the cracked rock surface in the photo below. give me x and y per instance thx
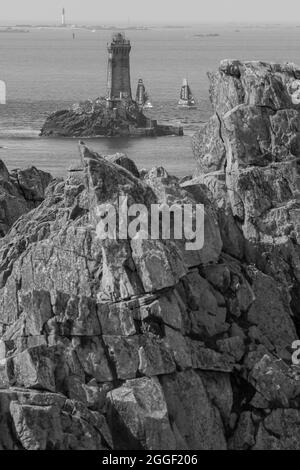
(20, 192)
(140, 344)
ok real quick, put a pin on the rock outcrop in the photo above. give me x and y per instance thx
(140, 344)
(248, 156)
(94, 119)
(20, 192)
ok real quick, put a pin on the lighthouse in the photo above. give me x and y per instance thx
(118, 70)
(63, 17)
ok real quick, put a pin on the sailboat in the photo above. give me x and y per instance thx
(142, 97)
(186, 98)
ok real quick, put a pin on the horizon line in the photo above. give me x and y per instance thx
(149, 23)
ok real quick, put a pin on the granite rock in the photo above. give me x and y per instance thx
(141, 344)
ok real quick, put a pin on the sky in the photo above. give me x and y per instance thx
(151, 11)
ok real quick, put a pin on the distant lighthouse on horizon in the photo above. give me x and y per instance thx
(63, 17)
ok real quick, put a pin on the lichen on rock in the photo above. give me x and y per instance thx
(139, 344)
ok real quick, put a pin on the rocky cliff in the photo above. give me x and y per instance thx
(139, 344)
(248, 156)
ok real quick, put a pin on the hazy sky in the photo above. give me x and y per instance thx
(168, 11)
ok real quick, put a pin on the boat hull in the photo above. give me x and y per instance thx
(186, 104)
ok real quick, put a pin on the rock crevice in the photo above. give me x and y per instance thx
(140, 344)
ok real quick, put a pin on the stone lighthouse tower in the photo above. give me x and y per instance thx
(118, 70)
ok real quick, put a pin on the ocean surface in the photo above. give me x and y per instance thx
(46, 70)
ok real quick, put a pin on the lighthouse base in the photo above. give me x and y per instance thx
(101, 118)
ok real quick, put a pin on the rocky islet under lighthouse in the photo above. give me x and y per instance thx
(116, 114)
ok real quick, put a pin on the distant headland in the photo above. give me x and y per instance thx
(11, 29)
(206, 35)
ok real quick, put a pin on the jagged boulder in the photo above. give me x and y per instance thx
(122, 160)
(248, 156)
(33, 420)
(138, 415)
(132, 343)
(20, 192)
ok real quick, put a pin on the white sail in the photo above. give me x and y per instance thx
(186, 96)
(142, 97)
(2, 92)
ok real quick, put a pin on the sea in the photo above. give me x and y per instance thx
(46, 70)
